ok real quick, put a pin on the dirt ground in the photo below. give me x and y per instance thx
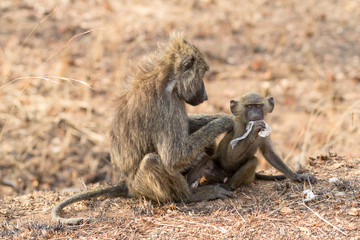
(62, 63)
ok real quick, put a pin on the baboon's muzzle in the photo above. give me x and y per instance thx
(200, 96)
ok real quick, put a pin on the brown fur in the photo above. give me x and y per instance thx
(151, 144)
(239, 163)
(151, 119)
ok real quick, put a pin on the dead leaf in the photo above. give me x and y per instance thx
(286, 210)
(354, 212)
(304, 229)
(353, 226)
(337, 165)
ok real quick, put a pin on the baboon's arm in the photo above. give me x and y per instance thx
(196, 121)
(275, 160)
(203, 137)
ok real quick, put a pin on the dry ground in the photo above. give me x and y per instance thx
(63, 62)
(263, 210)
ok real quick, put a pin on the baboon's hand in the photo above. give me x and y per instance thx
(258, 126)
(209, 192)
(306, 177)
(218, 192)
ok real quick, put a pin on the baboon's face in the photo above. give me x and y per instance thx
(191, 68)
(252, 107)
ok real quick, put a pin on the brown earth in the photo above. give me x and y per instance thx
(63, 62)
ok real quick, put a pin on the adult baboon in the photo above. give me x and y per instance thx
(150, 141)
(234, 162)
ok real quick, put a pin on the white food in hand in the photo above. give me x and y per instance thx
(263, 133)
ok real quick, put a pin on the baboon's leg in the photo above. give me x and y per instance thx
(244, 175)
(154, 181)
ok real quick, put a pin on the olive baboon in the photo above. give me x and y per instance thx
(150, 141)
(234, 162)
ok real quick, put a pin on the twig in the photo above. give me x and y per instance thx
(53, 79)
(69, 42)
(9, 183)
(326, 221)
(12, 109)
(90, 134)
(220, 229)
(281, 207)
(170, 225)
(28, 36)
(323, 232)
(232, 203)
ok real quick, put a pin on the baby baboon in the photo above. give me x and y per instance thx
(150, 141)
(238, 161)
(206, 172)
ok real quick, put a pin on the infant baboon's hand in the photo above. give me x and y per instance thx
(258, 126)
(306, 177)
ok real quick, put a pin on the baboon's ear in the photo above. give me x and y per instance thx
(188, 63)
(271, 104)
(233, 104)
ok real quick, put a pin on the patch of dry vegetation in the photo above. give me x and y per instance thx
(63, 62)
(263, 210)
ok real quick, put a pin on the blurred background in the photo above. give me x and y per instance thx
(62, 63)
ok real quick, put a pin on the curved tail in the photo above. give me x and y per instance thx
(269, 177)
(119, 190)
(273, 177)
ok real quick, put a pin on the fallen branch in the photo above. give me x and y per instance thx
(326, 221)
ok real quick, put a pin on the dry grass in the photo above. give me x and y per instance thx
(63, 62)
(263, 210)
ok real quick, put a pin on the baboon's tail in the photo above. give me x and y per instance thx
(273, 177)
(269, 177)
(119, 190)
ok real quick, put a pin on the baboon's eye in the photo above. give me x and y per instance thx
(189, 63)
(259, 105)
(249, 106)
